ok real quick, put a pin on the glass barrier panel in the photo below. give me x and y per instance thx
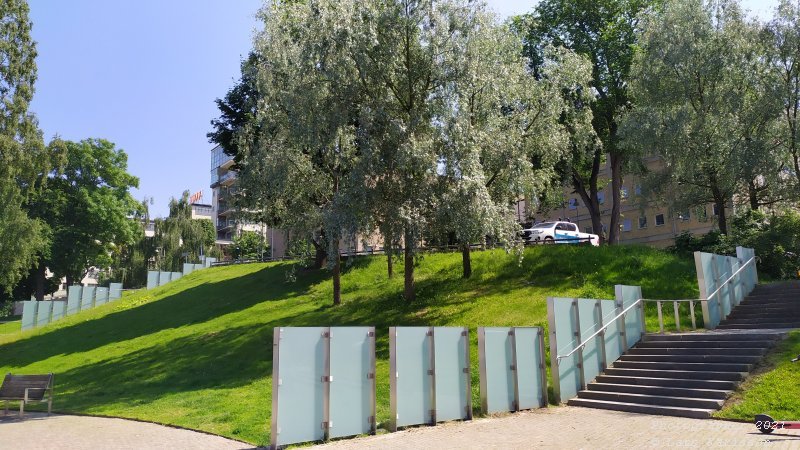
(74, 295)
(43, 313)
(100, 296)
(152, 279)
(352, 370)
(451, 347)
(87, 298)
(299, 367)
(530, 367)
(413, 384)
(114, 291)
(29, 314)
(59, 310)
(497, 380)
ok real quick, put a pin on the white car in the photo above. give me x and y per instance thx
(559, 233)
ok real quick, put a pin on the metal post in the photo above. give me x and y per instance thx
(482, 369)
(691, 312)
(276, 383)
(326, 384)
(578, 340)
(393, 378)
(660, 318)
(432, 372)
(542, 368)
(602, 336)
(512, 336)
(676, 307)
(373, 401)
(468, 374)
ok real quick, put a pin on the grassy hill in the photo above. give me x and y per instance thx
(198, 352)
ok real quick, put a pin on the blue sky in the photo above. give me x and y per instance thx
(144, 74)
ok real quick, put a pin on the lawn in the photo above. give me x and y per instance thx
(773, 389)
(10, 325)
(198, 352)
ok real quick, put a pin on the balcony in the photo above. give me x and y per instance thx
(223, 225)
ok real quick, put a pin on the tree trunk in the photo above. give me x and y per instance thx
(722, 219)
(466, 260)
(70, 280)
(616, 197)
(589, 195)
(408, 291)
(337, 275)
(752, 195)
(387, 247)
(40, 279)
(320, 252)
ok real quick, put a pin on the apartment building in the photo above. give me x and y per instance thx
(642, 220)
(224, 213)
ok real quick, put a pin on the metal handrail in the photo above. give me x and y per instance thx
(731, 278)
(660, 320)
(602, 329)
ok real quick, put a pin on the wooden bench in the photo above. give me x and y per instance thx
(27, 389)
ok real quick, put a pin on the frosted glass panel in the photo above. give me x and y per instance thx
(87, 298)
(74, 294)
(451, 359)
(497, 384)
(300, 367)
(530, 365)
(188, 268)
(589, 311)
(164, 278)
(114, 291)
(352, 373)
(59, 310)
(568, 381)
(724, 293)
(413, 382)
(101, 296)
(29, 314)
(43, 313)
(612, 336)
(175, 276)
(628, 295)
(152, 279)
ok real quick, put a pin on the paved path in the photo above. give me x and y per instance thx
(38, 431)
(578, 428)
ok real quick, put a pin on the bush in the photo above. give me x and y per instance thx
(775, 239)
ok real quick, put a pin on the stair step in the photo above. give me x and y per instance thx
(706, 344)
(643, 380)
(742, 359)
(697, 351)
(763, 315)
(763, 320)
(752, 326)
(647, 399)
(703, 367)
(685, 374)
(707, 337)
(696, 413)
(660, 390)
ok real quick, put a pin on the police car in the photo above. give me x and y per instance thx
(557, 232)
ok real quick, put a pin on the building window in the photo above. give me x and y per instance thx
(714, 210)
(623, 193)
(573, 203)
(659, 220)
(637, 189)
(685, 215)
(702, 214)
(627, 225)
(588, 230)
(642, 222)
(601, 197)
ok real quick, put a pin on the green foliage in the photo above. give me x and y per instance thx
(24, 160)
(249, 245)
(197, 352)
(179, 238)
(86, 205)
(706, 103)
(775, 239)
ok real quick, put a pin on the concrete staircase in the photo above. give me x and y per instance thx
(772, 306)
(687, 375)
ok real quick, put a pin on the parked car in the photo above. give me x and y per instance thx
(559, 233)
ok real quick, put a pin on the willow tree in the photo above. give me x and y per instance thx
(701, 100)
(299, 150)
(502, 131)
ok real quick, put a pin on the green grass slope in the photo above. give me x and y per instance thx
(774, 388)
(198, 352)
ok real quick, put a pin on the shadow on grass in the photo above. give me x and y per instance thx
(194, 305)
